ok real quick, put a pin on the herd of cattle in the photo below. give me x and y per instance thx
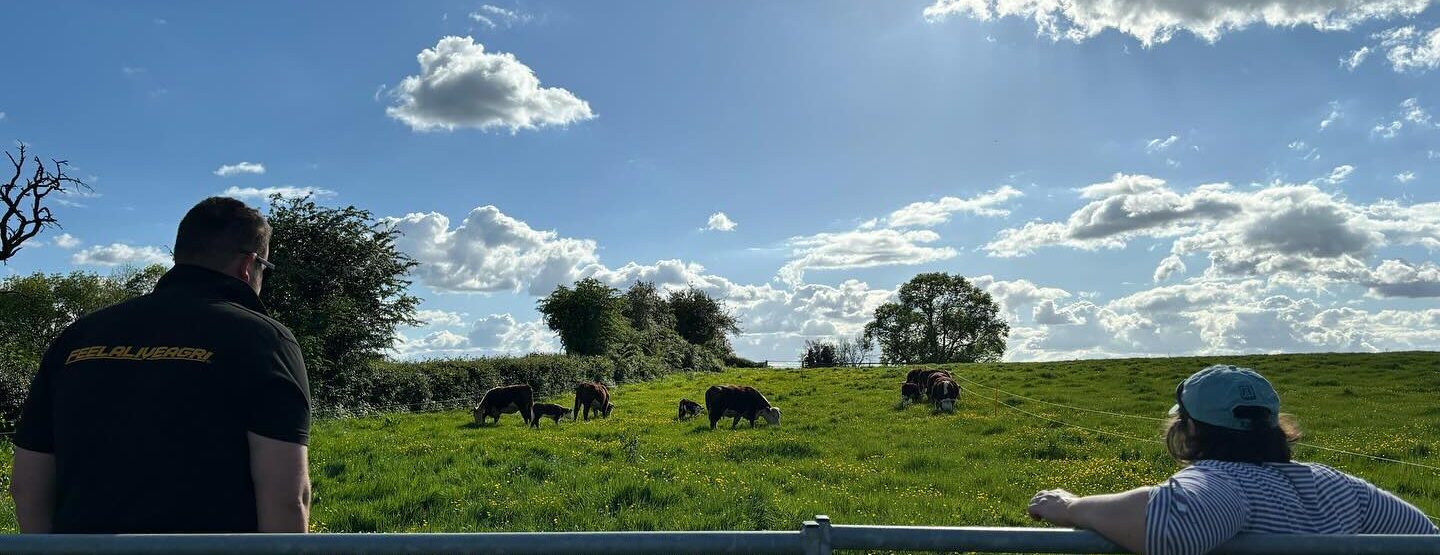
(721, 401)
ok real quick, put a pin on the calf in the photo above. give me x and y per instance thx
(504, 400)
(550, 410)
(592, 396)
(740, 402)
(944, 393)
(909, 393)
(689, 409)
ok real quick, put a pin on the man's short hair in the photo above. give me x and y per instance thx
(217, 229)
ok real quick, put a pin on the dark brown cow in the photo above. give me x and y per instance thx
(740, 402)
(592, 396)
(909, 393)
(944, 393)
(506, 399)
(933, 377)
(689, 409)
(550, 410)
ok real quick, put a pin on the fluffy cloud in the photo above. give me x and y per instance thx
(1334, 116)
(490, 252)
(1299, 233)
(500, 333)
(719, 222)
(439, 318)
(1170, 266)
(1410, 113)
(933, 213)
(462, 85)
(1397, 278)
(264, 193)
(66, 241)
(1157, 22)
(228, 170)
(861, 249)
(1410, 50)
(120, 254)
(1354, 59)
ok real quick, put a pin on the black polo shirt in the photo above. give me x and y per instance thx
(146, 404)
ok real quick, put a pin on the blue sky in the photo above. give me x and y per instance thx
(1287, 162)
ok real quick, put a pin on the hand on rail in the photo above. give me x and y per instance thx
(1053, 506)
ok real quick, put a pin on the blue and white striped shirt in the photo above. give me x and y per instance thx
(1210, 502)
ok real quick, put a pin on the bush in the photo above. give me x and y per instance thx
(734, 361)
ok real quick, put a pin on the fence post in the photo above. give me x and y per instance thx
(824, 522)
(810, 537)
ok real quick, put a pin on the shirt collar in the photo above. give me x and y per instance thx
(210, 284)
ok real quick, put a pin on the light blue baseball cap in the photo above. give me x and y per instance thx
(1212, 395)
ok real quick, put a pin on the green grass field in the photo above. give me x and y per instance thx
(845, 449)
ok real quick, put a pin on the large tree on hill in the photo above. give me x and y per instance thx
(590, 318)
(339, 283)
(939, 318)
(25, 212)
(702, 320)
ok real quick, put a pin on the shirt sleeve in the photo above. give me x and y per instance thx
(36, 429)
(1387, 514)
(278, 395)
(1192, 513)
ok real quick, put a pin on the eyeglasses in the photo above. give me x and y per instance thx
(265, 264)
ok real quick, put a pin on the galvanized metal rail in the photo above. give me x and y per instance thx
(816, 537)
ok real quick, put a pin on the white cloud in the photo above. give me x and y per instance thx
(1334, 116)
(1338, 175)
(1170, 266)
(719, 222)
(264, 193)
(1013, 296)
(490, 252)
(228, 170)
(462, 85)
(1354, 59)
(66, 241)
(1410, 50)
(1397, 278)
(933, 213)
(120, 254)
(1410, 113)
(501, 334)
(439, 318)
(861, 249)
(1405, 176)
(494, 16)
(1160, 145)
(1153, 22)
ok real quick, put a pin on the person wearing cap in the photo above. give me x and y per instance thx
(183, 410)
(1227, 424)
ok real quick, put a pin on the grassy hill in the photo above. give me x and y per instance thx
(847, 450)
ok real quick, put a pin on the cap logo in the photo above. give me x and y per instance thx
(1247, 393)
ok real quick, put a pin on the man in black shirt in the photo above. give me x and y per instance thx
(184, 410)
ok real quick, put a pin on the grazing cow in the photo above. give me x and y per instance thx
(921, 377)
(909, 393)
(551, 410)
(592, 396)
(944, 393)
(740, 402)
(504, 400)
(933, 377)
(689, 409)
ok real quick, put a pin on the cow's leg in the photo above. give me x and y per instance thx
(714, 418)
(575, 413)
(736, 422)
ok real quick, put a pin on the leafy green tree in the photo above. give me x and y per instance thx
(702, 320)
(939, 318)
(34, 309)
(645, 309)
(819, 354)
(590, 318)
(340, 284)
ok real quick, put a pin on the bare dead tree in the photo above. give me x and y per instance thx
(25, 212)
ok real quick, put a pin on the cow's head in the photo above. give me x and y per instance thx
(772, 416)
(608, 407)
(478, 414)
(947, 405)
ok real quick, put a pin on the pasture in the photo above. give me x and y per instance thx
(846, 449)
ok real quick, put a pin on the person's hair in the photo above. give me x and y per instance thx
(217, 229)
(1267, 441)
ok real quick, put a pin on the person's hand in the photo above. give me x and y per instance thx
(1053, 506)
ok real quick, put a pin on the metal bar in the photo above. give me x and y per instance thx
(597, 543)
(1045, 540)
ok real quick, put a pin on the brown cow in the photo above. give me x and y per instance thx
(689, 409)
(944, 393)
(909, 393)
(740, 402)
(504, 400)
(592, 396)
(933, 377)
(551, 410)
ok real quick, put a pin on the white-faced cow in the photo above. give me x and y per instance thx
(943, 393)
(592, 396)
(550, 410)
(689, 409)
(505, 400)
(739, 402)
(933, 377)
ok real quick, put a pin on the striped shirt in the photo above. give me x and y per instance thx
(1210, 502)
